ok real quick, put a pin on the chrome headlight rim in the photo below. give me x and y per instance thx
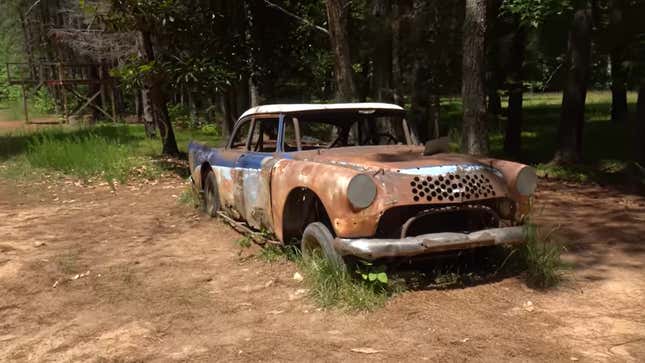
(361, 191)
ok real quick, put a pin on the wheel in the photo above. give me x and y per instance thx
(211, 195)
(317, 240)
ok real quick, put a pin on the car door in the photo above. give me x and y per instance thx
(254, 170)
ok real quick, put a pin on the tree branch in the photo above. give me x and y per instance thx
(301, 19)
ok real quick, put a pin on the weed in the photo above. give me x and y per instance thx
(271, 253)
(244, 242)
(541, 257)
(333, 287)
(188, 197)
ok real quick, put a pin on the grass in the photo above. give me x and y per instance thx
(540, 257)
(114, 152)
(331, 287)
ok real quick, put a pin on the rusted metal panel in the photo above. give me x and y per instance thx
(255, 187)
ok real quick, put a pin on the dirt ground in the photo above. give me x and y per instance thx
(88, 274)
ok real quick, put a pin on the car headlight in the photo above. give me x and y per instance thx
(361, 191)
(526, 181)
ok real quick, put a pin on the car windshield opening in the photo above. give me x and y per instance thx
(333, 132)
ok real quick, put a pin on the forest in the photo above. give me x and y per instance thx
(472, 69)
(127, 233)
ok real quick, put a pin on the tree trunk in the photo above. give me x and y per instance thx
(337, 13)
(382, 61)
(577, 68)
(156, 101)
(640, 124)
(473, 92)
(397, 93)
(149, 122)
(435, 113)
(617, 56)
(513, 135)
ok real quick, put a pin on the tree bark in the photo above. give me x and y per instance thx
(156, 101)
(640, 124)
(617, 56)
(382, 61)
(577, 68)
(337, 13)
(513, 135)
(473, 92)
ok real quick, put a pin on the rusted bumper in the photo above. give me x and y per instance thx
(371, 249)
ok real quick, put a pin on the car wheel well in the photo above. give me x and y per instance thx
(301, 208)
(204, 169)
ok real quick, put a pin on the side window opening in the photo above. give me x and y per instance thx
(238, 141)
(264, 137)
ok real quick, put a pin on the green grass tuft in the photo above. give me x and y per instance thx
(331, 287)
(541, 257)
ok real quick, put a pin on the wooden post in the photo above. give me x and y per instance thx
(24, 103)
(113, 101)
(63, 93)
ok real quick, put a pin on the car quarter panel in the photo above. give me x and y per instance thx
(329, 183)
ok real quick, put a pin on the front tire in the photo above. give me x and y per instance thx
(211, 195)
(317, 240)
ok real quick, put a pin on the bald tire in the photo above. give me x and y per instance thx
(211, 195)
(317, 239)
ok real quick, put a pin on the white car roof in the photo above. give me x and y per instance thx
(287, 108)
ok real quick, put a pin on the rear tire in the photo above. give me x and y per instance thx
(317, 240)
(211, 195)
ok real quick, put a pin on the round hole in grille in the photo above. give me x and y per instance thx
(425, 183)
(443, 186)
(434, 194)
(451, 177)
(440, 177)
(416, 199)
(429, 198)
(427, 190)
(413, 184)
(422, 194)
(414, 190)
(416, 178)
(429, 178)
(440, 197)
(451, 198)
(457, 195)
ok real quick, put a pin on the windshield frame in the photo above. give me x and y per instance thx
(342, 120)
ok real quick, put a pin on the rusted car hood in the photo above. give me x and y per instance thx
(387, 157)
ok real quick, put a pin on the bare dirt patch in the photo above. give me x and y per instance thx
(138, 276)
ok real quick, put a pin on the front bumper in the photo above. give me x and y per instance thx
(372, 249)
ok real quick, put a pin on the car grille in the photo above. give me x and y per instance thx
(451, 187)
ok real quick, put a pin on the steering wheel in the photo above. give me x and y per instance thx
(390, 138)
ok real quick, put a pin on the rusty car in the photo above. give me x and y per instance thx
(351, 179)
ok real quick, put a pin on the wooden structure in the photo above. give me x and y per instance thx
(63, 80)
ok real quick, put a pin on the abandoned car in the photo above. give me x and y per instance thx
(351, 180)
